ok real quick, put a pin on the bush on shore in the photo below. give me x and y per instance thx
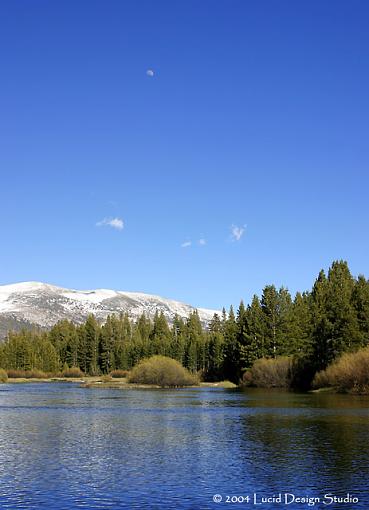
(270, 373)
(119, 374)
(72, 372)
(349, 373)
(3, 376)
(161, 371)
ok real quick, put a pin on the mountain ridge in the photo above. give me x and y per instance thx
(37, 304)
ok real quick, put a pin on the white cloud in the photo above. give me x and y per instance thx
(150, 73)
(202, 241)
(116, 223)
(186, 244)
(237, 232)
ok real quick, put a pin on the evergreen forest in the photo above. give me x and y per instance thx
(313, 327)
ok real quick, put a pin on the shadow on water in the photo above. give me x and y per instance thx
(307, 443)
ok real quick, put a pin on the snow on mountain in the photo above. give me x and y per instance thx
(41, 304)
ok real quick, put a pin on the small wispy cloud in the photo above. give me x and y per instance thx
(237, 232)
(116, 223)
(200, 242)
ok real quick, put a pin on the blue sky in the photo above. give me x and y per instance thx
(256, 118)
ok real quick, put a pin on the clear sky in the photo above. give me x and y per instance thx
(240, 159)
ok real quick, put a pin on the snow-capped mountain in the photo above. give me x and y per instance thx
(40, 304)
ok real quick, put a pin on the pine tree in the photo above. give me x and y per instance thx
(215, 350)
(301, 326)
(320, 324)
(92, 336)
(107, 344)
(286, 338)
(277, 312)
(83, 355)
(178, 339)
(72, 346)
(45, 355)
(17, 351)
(231, 347)
(160, 336)
(269, 305)
(360, 300)
(65, 341)
(144, 327)
(136, 348)
(252, 340)
(122, 344)
(341, 314)
(194, 334)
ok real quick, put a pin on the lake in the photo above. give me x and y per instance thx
(67, 447)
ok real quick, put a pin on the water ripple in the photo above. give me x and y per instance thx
(65, 447)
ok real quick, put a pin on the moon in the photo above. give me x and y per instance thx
(150, 73)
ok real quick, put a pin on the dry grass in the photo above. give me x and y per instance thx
(106, 379)
(161, 371)
(3, 376)
(220, 384)
(270, 373)
(73, 372)
(27, 374)
(350, 373)
(119, 374)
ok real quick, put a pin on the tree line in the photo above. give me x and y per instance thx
(314, 327)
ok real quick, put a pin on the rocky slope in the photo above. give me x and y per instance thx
(39, 304)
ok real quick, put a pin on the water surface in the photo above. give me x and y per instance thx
(66, 447)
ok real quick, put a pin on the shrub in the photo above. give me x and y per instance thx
(247, 378)
(270, 373)
(73, 372)
(117, 374)
(36, 374)
(16, 374)
(349, 373)
(3, 376)
(55, 375)
(161, 371)
(201, 375)
(226, 384)
(27, 374)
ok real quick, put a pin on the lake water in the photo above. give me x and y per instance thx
(66, 447)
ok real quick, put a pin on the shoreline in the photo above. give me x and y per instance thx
(118, 383)
(122, 383)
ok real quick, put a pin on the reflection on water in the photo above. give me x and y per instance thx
(65, 447)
